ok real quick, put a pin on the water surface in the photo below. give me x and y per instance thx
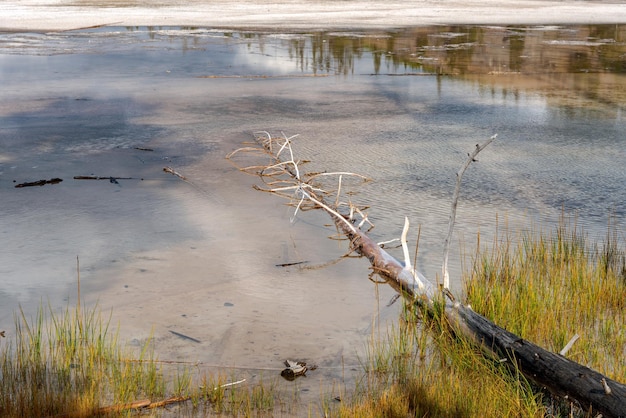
(199, 257)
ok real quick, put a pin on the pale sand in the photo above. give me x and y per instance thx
(299, 14)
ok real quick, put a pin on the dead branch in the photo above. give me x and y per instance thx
(455, 200)
(185, 337)
(174, 172)
(144, 403)
(403, 278)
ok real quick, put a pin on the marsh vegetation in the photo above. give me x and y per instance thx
(72, 365)
(544, 286)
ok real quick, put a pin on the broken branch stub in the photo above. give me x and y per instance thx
(455, 199)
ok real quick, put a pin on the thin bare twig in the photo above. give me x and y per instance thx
(286, 172)
(455, 199)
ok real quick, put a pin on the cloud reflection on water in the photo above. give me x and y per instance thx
(403, 107)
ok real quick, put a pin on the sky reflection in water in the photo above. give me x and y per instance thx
(402, 106)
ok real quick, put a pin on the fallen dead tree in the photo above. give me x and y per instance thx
(593, 391)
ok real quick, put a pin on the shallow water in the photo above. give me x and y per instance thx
(198, 257)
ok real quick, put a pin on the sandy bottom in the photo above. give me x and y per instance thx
(230, 297)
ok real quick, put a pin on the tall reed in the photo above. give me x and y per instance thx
(69, 364)
(543, 287)
(421, 369)
(548, 288)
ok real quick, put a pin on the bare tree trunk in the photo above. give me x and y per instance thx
(565, 378)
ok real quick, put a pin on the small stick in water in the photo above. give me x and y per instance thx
(172, 171)
(291, 264)
(185, 337)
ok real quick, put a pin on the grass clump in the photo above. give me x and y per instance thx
(548, 288)
(420, 369)
(545, 288)
(259, 399)
(69, 365)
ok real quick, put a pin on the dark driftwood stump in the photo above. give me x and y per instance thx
(552, 371)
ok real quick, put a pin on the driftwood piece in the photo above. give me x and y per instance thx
(295, 263)
(110, 178)
(54, 180)
(561, 376)
(142, 404)
(185, 337)
(174, 172)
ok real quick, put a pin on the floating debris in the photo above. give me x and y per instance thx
(185, 337)
(295, 369)
(176, 173)
(54, 180)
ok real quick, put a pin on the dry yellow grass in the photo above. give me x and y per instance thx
(543, 287)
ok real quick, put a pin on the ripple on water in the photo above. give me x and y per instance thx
(214, 239)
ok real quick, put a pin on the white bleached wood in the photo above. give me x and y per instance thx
(569, 344)
(455, 199)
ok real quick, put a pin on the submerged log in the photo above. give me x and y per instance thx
(565, 378)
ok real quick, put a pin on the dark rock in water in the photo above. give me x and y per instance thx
(288, 374)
